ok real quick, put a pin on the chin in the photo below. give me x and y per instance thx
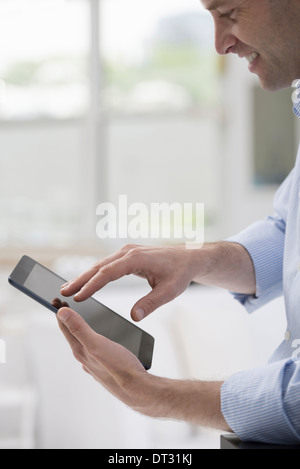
(274, 85)
(273, 80)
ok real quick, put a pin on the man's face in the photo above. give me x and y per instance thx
(264, 32)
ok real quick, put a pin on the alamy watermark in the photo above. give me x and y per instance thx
(175, 221)
(2, 351)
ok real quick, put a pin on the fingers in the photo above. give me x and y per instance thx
(72, 287)
(167, 273)
(57, 303)
(94, 351)
(111, 268)
(109, 363)
(84, 342)
(96, 277)
(114, 271)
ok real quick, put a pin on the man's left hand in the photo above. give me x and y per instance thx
(111, 364)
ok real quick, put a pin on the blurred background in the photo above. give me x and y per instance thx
(100, 98)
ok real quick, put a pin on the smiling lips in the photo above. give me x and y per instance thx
(251, 57)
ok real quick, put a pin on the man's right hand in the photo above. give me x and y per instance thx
(168, 270)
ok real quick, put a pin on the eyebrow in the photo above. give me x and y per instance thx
(215, 4)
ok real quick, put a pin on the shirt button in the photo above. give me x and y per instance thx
(298, 266)
(287, 335)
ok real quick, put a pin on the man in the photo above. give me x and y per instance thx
(259, 264)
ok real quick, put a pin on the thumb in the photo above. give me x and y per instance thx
(76, 327)
(149, 303)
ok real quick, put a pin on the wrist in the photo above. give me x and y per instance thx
(204, 261)
(197, 402)
(225, 264)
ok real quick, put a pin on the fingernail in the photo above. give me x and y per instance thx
(63, 314)
(139, 314)
(65, 285)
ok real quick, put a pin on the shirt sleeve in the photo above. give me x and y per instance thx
(264, 241)
(263, 404)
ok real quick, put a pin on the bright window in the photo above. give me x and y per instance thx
(161, 96)
(158, 56)
(43, 58)
(44, 77)
(153, 137)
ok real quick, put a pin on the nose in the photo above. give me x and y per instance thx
(225, 41)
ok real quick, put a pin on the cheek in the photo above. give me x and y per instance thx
(250, 30)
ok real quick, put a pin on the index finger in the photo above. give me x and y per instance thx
(108, 273)
(73, 286)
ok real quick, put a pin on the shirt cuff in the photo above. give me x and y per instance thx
(264, 241)
(252, 404)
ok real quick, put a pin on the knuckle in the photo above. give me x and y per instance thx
(106, 272)
(94, 352)
(74, 327)
(105, 269)
(150, 304)
(78, 352)
(128, 247)
(172, 290)
(134, 251)
(96, 266)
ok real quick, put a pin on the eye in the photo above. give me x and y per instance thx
(228, 14)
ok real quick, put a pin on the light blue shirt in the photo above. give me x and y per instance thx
(263, 404)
